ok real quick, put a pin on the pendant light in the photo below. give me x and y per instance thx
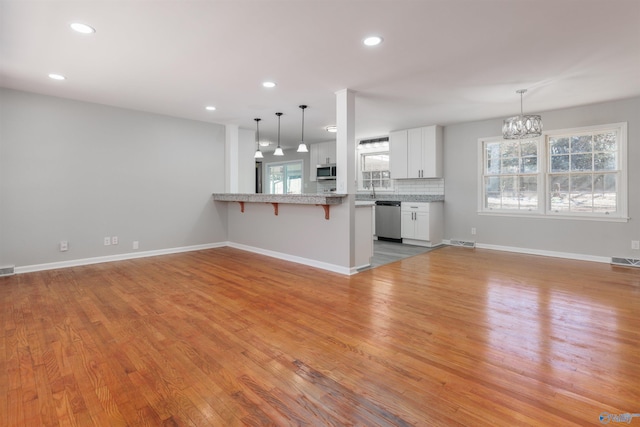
(278, 151)
(258, 154)
(520, 127)
(302, 148)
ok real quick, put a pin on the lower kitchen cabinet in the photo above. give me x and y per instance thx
(422, 223)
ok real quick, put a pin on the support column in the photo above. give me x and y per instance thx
(345, 141)
(345, 162)
(231, 158)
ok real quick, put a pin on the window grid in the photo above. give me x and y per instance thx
(375, 170)
(575, 173)
(583, 173)
(511, 175)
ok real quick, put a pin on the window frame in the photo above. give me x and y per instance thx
(362, 151)
(544, 177)
(266, 179)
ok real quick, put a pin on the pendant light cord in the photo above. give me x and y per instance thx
(257, 132)
(303, 108)
(521, 92)
(278, 114)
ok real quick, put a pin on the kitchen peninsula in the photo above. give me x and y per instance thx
(276, 199)
(292, 227)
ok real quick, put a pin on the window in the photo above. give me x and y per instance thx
(374, 169)
(567, 173)
(511, 178)
(284, 178)
(584, 172)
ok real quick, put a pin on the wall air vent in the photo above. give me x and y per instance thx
(8, 270)
(629, 262)
(463, 243)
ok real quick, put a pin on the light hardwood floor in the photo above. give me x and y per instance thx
(222, 337)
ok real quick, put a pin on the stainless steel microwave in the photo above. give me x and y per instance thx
(326, 171)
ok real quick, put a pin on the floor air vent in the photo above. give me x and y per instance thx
(7, 271)
(626, 261)
(464, 243)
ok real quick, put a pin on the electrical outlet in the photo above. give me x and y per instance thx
(64, 246)
(473, 231)
(135, 244)
(635, 244)
(114, 240)
(107, 241)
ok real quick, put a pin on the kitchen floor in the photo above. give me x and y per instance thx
(387, 252)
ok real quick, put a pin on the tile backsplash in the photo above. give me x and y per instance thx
(326, 186)
(431, 186)
(424, 186)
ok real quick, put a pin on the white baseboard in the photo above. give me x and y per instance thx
(296, 259)
(132, 255)
(118, 257)
(554, 254)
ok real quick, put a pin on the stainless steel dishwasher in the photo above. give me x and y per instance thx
(388, 220)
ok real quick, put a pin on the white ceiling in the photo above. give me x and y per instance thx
(441, 62)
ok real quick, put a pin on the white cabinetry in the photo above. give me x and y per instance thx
(421, 223)
(319, 154)
(398, 154)
(416, 153)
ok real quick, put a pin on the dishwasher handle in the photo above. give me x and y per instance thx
(387, 203)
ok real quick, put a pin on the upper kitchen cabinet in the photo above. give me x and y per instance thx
(416, 153)
(321, 153)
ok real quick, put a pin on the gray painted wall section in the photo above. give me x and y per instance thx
(298, 231)
(590, 238)
(246, 163)
(79, 172)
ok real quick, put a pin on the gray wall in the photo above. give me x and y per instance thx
(582, 237)
(297, 231)
(246, 163)
(79, 172)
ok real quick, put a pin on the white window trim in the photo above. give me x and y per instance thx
(544, 210)
(377, 150)
(265, 178)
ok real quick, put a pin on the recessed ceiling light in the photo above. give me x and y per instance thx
(264, 143)
(332, 129)
(82, 28)
(210, 108)
(372, 41)
(268, 84)
(56, 76)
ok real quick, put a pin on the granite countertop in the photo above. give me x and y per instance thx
(401, 197)
(300, 199)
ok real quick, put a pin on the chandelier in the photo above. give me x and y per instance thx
(522, 126)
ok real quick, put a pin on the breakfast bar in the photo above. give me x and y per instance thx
(276, 199)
